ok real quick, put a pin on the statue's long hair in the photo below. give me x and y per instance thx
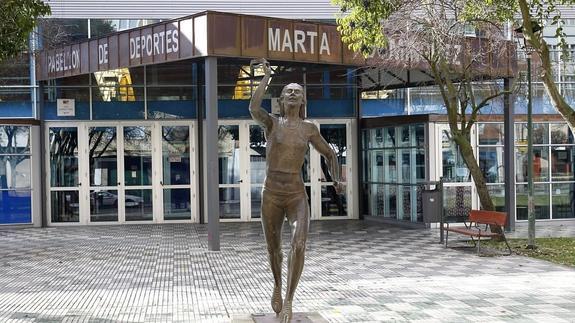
(301, 108)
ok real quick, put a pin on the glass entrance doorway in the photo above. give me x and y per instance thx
(242, 170)
(122, 172)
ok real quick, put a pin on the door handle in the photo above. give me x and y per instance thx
(241, 181)
(162, 183)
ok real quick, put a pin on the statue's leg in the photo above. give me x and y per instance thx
(272, 222)
(298, 215)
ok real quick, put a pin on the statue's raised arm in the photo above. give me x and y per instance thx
(258, 113)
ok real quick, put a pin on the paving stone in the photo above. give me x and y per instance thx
(355, 271)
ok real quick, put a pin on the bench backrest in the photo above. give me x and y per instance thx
(488, 217)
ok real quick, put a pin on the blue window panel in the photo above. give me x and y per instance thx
(387, 107)
(238, 109)
(82, 111)
(118, 110)
(185, 109)
(330, 108)
(15, 207)
(16, 109)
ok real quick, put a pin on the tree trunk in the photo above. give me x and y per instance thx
(476, 173)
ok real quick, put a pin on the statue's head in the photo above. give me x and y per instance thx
(292, 97)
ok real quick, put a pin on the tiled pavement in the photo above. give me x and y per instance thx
(355, 271)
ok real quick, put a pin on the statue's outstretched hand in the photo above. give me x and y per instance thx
(257, 62)
(339, 187)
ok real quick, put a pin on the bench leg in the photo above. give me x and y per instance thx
(507, 244)
(478, 243)
(446, 235)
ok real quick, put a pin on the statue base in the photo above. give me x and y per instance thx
(297, 317)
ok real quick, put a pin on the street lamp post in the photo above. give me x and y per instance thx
(530, 201)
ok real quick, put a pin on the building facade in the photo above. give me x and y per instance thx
(118, 137)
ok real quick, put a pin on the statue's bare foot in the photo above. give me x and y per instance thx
(286, 314)
(277, 299)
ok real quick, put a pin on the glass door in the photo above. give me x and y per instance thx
(329, 204)
(104, 189)
(137, 172)
(231, 174)
(64, 184)
(178, 166)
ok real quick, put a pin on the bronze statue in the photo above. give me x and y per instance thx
(284, 194)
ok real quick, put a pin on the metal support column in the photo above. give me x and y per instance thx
(509, 150)
(210, 150)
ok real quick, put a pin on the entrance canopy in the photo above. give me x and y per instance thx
(205, 34)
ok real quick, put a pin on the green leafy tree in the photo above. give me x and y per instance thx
(17, 20)
(431, 36)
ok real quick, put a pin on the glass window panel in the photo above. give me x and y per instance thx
(540, 164)
(457, 202)
(65, 206)
(15, 102)
(332, 204)
(171, 103)
(118, 103)
(406, 170)
(419, 135)
(59, 32)
(173, 73)
(375, 199)
(137, 156)
(454, 168)
(229, 154)
(405, 136)
(256, 202)
(103, 205)
(562, 162)
(230, 203)
(15, 172)
(176, 155)
(257, 154)
(103, 156)
(336, 137)
(420, 164)
(81, 97)
(561, 134)
(15, 70)
(491, 164)
(405, 196)
(540, 199)
(15, 206)
(375, 138)
(540, 133)
(389, 137)
(563, 200)
(14, 140)
(490, 133)
(177, 204)
(389, 166)
(63, 156)
(139, 205)
(390, 200)
(497, 194)
(376, 169)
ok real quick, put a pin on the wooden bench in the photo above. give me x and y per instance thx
(478, 225)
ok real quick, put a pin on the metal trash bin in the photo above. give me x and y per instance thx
(432, 204)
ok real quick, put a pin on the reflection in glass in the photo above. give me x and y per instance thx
(137, 156)
(63, 157)
(420, 164)
(406, 176)
(491, 163)
(103, 205)
(561, 134)
(332, 204)
(230, 203)
(497, 194)
(389, 166)
(177, 205)
(562, 162)
(540, 133)
(257, 155)
(375, 199)
(336, 137)
(14, 140)
(176, 155)
(454, 168)
(540, 198)
(540, 164)
(563, 200)
(389, 137)
(229, 155)
(65, 206)
(490, 133)
(376, 169)
(139, 206)
(256, 193)
(405, 196)
(103, 156)
(15, 172)
(390, 199)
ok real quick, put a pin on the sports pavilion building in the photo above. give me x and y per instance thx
(113, 121)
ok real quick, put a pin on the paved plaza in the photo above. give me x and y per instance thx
(356, 271)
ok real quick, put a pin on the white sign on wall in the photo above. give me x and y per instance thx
(66, 108)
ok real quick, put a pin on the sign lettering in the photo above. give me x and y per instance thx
(157, 43)
(303, 41)
(64, 61)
